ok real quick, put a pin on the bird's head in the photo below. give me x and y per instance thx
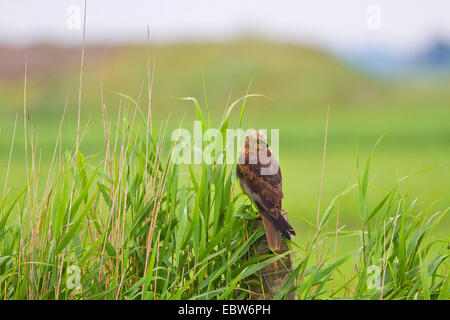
(256, 141)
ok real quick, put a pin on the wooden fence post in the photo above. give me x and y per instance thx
(274, 275)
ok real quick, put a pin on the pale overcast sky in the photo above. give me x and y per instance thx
(338, 25)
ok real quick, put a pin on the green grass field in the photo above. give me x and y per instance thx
(298, 84)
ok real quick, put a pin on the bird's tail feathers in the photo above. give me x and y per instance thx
(282, 225)
(273, 235)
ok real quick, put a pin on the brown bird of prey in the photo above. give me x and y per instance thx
(260, 177)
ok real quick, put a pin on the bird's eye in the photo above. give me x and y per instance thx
(267, 145)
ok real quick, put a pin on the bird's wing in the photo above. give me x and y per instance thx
(265, 190)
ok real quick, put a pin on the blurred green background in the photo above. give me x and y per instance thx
(299, 83)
